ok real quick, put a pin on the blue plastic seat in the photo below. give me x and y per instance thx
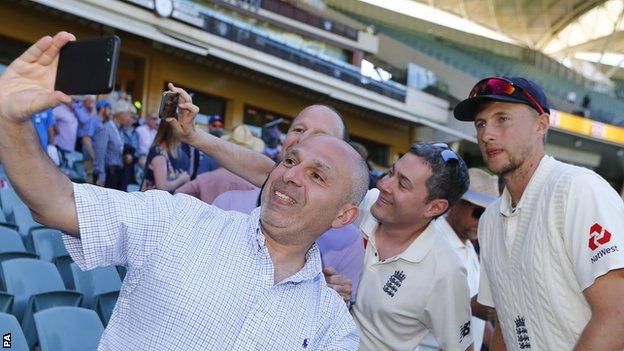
(104, 305)
(36, 285)
(48, 243)
(6, 302)
(8, 199)
(24, 220)
(95, 282)
(10, 241)
(9, 325)
(68, 329)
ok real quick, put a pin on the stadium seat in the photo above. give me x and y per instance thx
(104, 305)
(68, 329)
(95, 282)
(63, 265)
(133, 188)
(6, 302)
(48, 243)
(10, 241)
(24, 220)
(10, 326)
(36, 285)
(8, 199)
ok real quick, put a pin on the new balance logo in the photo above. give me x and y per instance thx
(464, 331)
(394, 283)
(598, 236)
(522, 333)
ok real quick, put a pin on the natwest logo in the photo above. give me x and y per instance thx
(598, 236)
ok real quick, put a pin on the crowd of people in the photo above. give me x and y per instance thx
(302, 254)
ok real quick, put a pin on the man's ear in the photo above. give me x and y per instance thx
(347, 215)
(543, 123)
(436, 208)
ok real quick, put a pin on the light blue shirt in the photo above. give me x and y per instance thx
(200, 278)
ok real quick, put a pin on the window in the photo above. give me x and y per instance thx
(258, 117)
(377, 152)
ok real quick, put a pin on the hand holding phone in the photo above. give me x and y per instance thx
(169, 105)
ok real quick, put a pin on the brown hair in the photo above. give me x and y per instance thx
(167, 137)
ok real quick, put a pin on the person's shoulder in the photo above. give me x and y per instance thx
(445, 256)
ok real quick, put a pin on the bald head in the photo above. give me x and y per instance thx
(329, 120)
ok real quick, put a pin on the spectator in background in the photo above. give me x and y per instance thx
(108, 166)
(104, 111)
(66, 127)
(85, 110)
(131, 145)
(160, 171)
(206, 163)
(147, 134)
(209, 185)
(44, 125)
(215, 126)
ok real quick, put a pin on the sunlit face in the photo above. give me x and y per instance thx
(313, 120)
(508, 134)
(403, 191)
(306, 191)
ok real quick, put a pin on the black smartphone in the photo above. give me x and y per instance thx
(88, 66)
(169, 105)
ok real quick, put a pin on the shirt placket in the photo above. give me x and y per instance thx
(259, 313)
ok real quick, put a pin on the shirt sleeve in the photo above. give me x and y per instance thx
(593, 228)
(448, 313)
(118, 228)
(101, 141)
(81, 113)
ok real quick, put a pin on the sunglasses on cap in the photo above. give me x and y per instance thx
(502, 86)
(447, 154)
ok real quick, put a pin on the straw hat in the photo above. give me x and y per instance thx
(483, 188)
(241, 135)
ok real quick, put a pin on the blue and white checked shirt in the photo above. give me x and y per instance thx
(200, 278)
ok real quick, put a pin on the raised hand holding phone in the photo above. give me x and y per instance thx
(184, 125)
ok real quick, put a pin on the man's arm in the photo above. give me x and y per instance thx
(248, 164)
(88, 146)
(605, 329)
(498, 343)
(28, 87)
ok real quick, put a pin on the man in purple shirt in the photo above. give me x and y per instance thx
(342, 249)
(66, 127)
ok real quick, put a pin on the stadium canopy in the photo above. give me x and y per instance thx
(572, 31)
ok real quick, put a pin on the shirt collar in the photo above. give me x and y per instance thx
(313, 266)
(543, 170)
(421, 246)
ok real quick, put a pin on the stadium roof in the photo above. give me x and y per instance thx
(569, 29)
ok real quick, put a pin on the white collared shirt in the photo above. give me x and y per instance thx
(468, 257)
(200, 278)
(538, 257)
(404, 297)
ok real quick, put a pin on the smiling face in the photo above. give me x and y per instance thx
(403, 192)
(508, 135)
(307, 192)
(316, 119)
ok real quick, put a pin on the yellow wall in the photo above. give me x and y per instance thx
(27, 24)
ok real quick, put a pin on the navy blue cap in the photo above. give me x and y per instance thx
(467, 109)
(215, 118)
